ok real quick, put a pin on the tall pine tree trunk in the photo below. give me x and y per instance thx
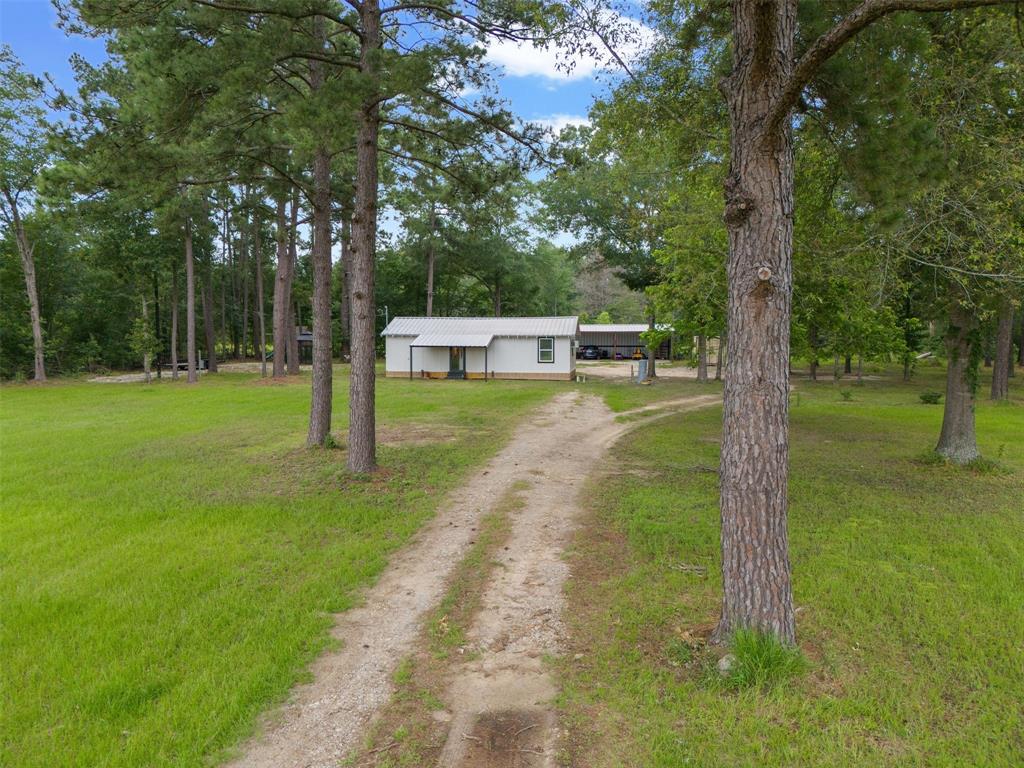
(430, 262)
(28, 268)
(702, 358)
(146, 355)
(293, 260)
(362, 438)
(243, 265)
(1004, 352)
(957, 441)
(756, 576)
(174, 322)
(258, 309)
(323, 372)
(346, 316)
(1020, 348)
(210, 332)
(282, 292)
(190, 304)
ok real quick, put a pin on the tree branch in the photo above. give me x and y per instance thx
(830, 42)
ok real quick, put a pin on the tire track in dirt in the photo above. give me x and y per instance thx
(500, 699)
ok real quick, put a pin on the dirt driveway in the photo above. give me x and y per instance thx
(550, 456)
(620, 369)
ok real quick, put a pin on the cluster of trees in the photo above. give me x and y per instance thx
(871, 160)
(218, 135)
(871, 166)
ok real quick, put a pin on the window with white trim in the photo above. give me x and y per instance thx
(546, 349)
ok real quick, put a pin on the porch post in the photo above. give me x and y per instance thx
(485, 363)
(410, 362)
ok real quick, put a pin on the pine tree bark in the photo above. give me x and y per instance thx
(323, 371)
(282, 292)
(259, 307)
(190, 304)
(362, 438)
(756, 575)
(957, 440)
(209, 330)
(848, 364)
(430, 262)
(1004, 352)
(28, 268)
(702, 358)
(346, 312)
(174, 323)
(293, 260)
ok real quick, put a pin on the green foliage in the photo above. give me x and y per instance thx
(930, 397)
(142, 341)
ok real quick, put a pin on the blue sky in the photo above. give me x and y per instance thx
(529, 79)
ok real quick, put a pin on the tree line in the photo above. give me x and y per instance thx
(797, 179)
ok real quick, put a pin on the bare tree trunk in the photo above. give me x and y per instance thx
(362, 437)
(211, 336)
(497, 298)
(702, 358)
(28, 268)
(836, 375)
(190, 304)
(346, 311)
(1004, 352)
(860, 369)
(320, 412)
(848, 364)
(259, 312)
(282, 292)
(957, 441)
(174, 322)
(430, 262)
(293, 260)
(756, 576)
(243, 264)
(146, 355)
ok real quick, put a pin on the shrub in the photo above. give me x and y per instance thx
(930, 397)
(846, 394)
(761, 661)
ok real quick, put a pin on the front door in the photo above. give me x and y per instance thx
(456, 362)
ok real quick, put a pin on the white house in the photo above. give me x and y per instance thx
(481, 347)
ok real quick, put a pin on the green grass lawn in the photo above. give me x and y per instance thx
(171, 555)
(909, 582)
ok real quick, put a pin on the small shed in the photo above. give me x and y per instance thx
(481, 347)
(620, 341)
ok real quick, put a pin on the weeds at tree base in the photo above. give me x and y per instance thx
(760, 661)
(978, 466)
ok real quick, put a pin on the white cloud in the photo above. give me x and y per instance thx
(559, 121)
(556, 63)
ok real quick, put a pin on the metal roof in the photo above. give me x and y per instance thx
(613, 328)
(494, 326)
(452, 340)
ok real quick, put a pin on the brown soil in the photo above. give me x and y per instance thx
(497, 699)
